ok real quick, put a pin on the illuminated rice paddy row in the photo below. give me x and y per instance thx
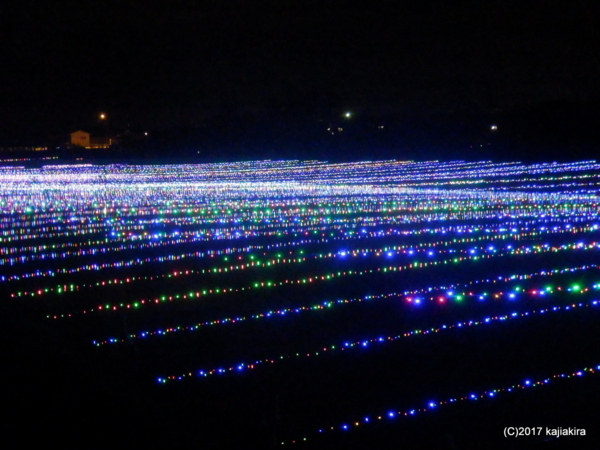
(330, 276)
(132, 227)
(376, 172)
(32, 253)
(256, 260)
(37, 252)
(363, 343)
(430, 405)
(435, 294)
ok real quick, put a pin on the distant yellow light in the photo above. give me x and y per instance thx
(102, 116)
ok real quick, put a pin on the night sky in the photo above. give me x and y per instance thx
(161, 64)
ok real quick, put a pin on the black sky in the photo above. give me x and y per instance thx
(159, 62)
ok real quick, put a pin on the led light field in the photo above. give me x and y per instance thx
(301, 303)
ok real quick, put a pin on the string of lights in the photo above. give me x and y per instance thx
(278, 258)
(32, 253)
(395, 413)
(350, 344)
(432, 295)
(488, 252)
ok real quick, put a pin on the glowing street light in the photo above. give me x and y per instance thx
(347, 114)
(102, 116)
(494, 127)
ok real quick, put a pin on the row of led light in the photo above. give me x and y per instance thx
(388, 251)
(502, 279)
(193, 236)
(526, 249)
(430, 405)
(172, 257)
(38, 250)
(60, 200)
(363, 343)
(561, 178)
(364, 233)
(124, 228)
(174, 170)
(3, 160)
(138, 261)
(325, 277)
(488, 171)
(235, 232)
(187, 206)
(366, 170)
(16, 235)
(563, 185)
(442, 230)
(404, 198)
(36, 253)
(380, 219)
(462, 170)
(48, 199)
(584, 188)
(231, 209)
(513, 226)
(450, 293)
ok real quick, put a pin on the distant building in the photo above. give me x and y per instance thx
(83, 139)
